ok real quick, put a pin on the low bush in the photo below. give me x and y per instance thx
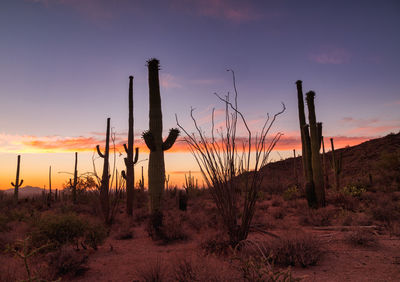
(153, 272)
(167, 227)
(319, 217)
(354, 190)
(67, 262)
(216, 243)
(361, 237)
(291, 193)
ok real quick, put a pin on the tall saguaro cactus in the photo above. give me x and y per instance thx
(311, 136)
(305, 149)
(336, 163)
(315, 137)
(17, 182)
(130, 160)
(105, 179)
(154, 141)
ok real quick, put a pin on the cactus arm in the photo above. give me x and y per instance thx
(22, 181)
(99, 152)
(123, 174)
(126, 148)
(149, 140)
(136, 156)
(319, 134)
(12, 183)
(172, 136)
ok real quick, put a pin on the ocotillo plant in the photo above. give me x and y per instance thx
(104, 187)
(305, 149)
(154, 141)
(315, 138)
(73, 185)
(17, 182)
(336, 164)
(130, 160)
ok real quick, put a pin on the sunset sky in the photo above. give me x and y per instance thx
(64, 68)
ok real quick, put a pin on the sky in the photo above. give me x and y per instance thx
(64, 68)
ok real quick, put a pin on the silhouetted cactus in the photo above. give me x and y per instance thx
(17, 182)
(141, 182)
(105, 179)
(336, 164)
(73, 185)
(305, 149)
(316, 135)
(50, 197)
(153, 139)
(130, 160)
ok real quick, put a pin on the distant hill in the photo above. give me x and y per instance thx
(27, 191)
(374, 163)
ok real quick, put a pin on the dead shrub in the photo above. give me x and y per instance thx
(186, 270)
(319, 217)
(217, 243)
(67, 261)
(361, 237)
(385, 210)
(153, 272)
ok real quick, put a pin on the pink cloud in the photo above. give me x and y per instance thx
(370, 127)
(221, 9)
(169, 81)
(331, 55)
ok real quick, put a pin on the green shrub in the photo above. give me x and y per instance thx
(354, 190)
(63, 229)
(291, 193)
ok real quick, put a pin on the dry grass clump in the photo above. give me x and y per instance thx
(386, 210)
(296, 248)
(216, 243)
(153, 272)
(361, 237)
(319, 217)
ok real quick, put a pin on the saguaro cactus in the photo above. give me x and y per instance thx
(154, 141)
(336, 163)
(130, 160)
(17, 182)
(75, 183)
(316, 135)
(104, 187)
(305, 149)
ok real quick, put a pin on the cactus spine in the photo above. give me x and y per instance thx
(130, 160)
(17, 182)
(104, 187)
(336, 164)
(154, 141)
(315, 136)
(305, 149)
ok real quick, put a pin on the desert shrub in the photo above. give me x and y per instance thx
(354, 190)
(361, 237)
(276, 202)
(66, 261)
(291, 193)
(167, 227)
(344, 201)
(319, 217)
(217, 243)
(385, 210)
(95, 235)
(63, 229)
(262, 269)
(124, 234)
(301, 248)
(153, 272)
(186, 270)
(278, 213)
(58, 229)
(4, 223)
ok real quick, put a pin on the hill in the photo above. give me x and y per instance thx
(27, 191)
(374, 164)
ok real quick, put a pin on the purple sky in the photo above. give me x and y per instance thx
(64, 64)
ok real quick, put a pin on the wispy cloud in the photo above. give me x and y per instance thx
(370, 127)
(331, 55)
(169, 81)
(234, 11)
